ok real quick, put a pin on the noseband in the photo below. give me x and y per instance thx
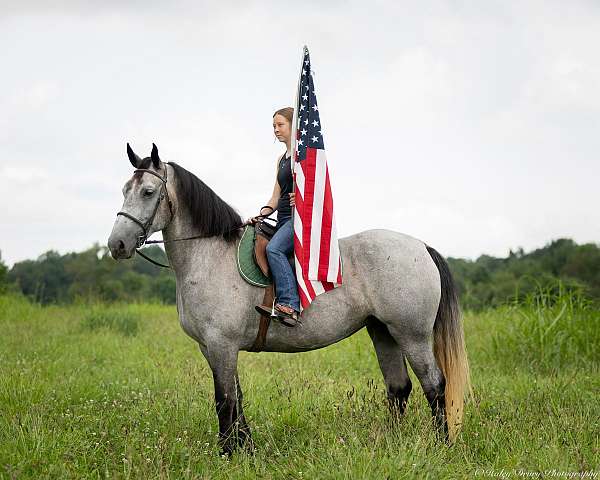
(148, 223)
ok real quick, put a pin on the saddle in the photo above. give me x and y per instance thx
(254, 268)
(252, 258)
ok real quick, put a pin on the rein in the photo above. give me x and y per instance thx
(143, 238)
(147, 242)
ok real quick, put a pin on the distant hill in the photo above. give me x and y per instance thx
(487, 281)
(490, 281)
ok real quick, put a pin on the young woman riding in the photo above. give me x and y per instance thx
(281, 245)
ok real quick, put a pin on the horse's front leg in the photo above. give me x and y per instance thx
(234, 431)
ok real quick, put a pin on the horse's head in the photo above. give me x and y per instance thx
(146, 208)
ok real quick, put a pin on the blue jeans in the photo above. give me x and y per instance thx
(278, 249)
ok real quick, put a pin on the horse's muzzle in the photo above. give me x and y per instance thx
(119, 250)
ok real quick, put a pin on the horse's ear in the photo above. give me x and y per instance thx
(133, 158)
(154, 156)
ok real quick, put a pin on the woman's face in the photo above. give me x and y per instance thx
(281, 128)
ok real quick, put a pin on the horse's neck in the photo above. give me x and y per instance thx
(183, 255)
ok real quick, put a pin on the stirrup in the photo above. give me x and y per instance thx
(265, 310)
(275, 314)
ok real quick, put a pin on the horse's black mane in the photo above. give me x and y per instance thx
(210, 214)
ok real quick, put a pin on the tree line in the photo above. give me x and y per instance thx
(91, 275)
(485, 282)
(561, 264)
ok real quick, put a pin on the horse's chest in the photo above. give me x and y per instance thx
(196, 324)
(187, 325)
(193, 317)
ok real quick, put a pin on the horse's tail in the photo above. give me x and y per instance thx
(449, 347)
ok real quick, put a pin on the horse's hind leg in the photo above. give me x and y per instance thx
(419, 352)
(392, 364)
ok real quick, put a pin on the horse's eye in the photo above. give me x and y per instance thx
(148, 193)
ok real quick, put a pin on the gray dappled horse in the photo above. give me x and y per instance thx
(393, 284)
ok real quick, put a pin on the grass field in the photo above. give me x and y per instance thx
(94, 391)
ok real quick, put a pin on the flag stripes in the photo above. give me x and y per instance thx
(316, 250)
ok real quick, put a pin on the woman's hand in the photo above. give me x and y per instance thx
(269, 211)
(292, 199)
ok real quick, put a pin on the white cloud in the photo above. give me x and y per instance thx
(22, 175)
(34, 96)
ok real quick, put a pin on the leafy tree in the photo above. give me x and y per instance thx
(164, 289)
(111, 290)
(44, 279)
(3, 275)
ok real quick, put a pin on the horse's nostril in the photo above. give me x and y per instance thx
(121, 245)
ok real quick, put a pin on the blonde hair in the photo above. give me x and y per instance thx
(286, 112)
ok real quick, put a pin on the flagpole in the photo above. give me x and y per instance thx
(295, 127)
(295, 117)
(295, 120)
(293, 144)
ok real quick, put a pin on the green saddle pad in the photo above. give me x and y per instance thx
(245, 260)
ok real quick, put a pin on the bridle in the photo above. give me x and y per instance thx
(163, 193)
(143, 238)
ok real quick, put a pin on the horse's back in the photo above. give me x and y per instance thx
(381, 240)
(385, 250)
(394, 273)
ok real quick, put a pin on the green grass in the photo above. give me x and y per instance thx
(123, 319)
(94, 391)
(549, 332)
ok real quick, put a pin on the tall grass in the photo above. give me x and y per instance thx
(551, 329)
(17, 306)
(118, 318)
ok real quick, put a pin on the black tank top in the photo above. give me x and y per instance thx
(286, 184)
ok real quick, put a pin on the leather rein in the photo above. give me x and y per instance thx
(143, 238)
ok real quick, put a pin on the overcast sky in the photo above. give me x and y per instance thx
(474, 126)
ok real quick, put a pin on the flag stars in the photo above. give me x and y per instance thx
(308, 127)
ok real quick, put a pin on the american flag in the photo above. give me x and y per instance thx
(316, 249)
